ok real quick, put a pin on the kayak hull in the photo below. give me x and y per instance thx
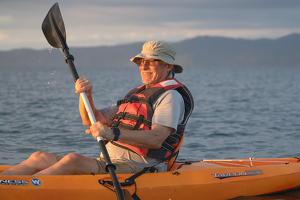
(208, 179)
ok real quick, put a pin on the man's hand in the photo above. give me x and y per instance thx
(98, 129)
(83, 85)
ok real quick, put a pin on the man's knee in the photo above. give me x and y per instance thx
(71, 159)
(74, 163)
(41, 156)
(41, 160)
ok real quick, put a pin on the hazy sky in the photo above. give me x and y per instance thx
(110, 22)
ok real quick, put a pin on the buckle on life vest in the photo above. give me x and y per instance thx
(129, 99)
(139, 122)
(121, 115)
(115, 124)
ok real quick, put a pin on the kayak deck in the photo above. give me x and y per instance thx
(253, 162)
(205, 179)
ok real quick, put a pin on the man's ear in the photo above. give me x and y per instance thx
(170, 67)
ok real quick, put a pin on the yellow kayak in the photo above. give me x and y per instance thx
(204, 179)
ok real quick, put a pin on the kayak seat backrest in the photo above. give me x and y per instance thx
(172, 160)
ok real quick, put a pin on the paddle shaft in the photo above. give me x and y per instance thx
(111, 169)
(57, 39)
(69, 60)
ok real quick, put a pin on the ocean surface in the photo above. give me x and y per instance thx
(239, 112)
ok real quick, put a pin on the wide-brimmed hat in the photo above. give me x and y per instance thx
(159, 50)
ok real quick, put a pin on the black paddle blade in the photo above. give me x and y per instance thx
(53, 27)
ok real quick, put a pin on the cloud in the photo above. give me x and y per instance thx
(99, 22)
(5, 19)
(3, 36)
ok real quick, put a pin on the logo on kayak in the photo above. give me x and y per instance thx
(36, 182)
(238, 174)
(13, 182)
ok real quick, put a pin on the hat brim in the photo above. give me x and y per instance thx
(178, 68)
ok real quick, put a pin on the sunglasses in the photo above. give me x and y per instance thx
(148, 62)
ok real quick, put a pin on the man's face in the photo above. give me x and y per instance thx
(154, 72)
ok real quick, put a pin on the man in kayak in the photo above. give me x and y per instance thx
(141, 130)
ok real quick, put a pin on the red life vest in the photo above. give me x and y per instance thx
(136, 112)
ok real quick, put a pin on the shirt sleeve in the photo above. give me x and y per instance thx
(168, 109)
(109, 112)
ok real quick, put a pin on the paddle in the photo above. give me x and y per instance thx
(54, 30)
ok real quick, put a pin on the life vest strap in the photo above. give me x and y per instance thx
(176, 137)
(136, 118)
(121, 125)
(135, 99)
(180, 128)
(167, 146)
(139, 122)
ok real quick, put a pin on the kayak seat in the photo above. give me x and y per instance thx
(173, 159)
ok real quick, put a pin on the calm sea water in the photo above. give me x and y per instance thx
(239, 112)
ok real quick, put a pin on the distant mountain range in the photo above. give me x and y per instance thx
(196, 52)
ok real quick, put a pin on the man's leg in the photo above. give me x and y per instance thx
(72, 164)
(36, 162)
